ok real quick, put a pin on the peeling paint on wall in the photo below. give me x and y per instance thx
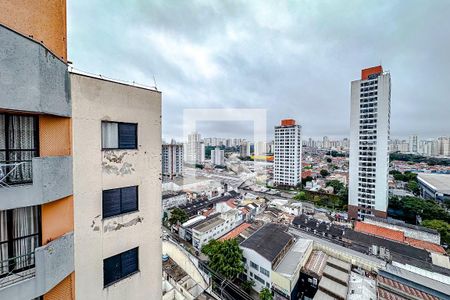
(114, 225)
(93, 225)
(114, 162)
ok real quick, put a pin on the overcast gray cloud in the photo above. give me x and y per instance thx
(294, 58)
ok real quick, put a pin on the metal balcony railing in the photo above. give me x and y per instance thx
(16, 167)
(16, 269)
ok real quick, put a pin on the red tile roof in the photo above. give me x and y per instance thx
(425, 245)
(398, 236)
(231, 204)
(235, 232)
(402, 288)
(386, 233)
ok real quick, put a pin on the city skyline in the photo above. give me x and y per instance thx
(243, 59)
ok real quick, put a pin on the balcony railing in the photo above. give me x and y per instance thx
(16, 167)
(16, 269)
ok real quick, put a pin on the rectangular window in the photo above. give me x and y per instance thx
(120, 201)
(254, 266)
(264, 271)
(260, 279)
(117, 135)
(19, 237)
(18, 145)
(120, 266)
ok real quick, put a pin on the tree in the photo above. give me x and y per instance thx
(306, 179)
(324, 173)
(265, 294)
(300, 196)
(407, 208)
(211, 247)
(247, 286)
(441, 226)
(413, 186)
(225, 257)
(177, 215)
(329, 160)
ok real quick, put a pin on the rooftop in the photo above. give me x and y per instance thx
(73, 70)
(336, 274)
(316, 263)
(425, 245)
(415, 280)
(296, 255)
(209, 224)
(268, 241)
(401, 223)
(339, 264)
(333, 287)
(322, 296)
(235, 232)
(383, 232)
(438, 182)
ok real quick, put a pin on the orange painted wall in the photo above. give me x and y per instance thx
(369, 71)
(287, 122)
(65, 290)
(44, 20)
(54, 136)
(57, 219)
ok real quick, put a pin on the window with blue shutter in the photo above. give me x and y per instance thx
(116, 135)
(127, 136)
(120, 201)
(120, 266)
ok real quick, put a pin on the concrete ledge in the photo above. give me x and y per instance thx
(52, 180)
(32, 78)
(54, 262)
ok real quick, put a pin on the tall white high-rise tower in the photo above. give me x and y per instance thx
(287, 169)
(369, 159)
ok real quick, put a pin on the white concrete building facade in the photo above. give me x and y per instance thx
(194, 149)
(287, 169)
(370, 128)
(218, 157)
(215, 227)
(172, 159)
(117, 138)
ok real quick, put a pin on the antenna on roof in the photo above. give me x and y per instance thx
(154, 81)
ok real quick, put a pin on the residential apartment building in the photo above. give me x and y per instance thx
(218, 157)
(79, 186)
(244, 149)
(444, 146)
(172, 160)
(369, 159)
(287, 154)
(194, 149)
(36, 191)
(117, 141)
(413, 144)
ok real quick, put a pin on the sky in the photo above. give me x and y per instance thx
(295, 59)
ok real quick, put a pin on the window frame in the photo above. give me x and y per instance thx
(106, 285)
(10, 241)
(8, 150)
(264, 271)
(118, 136)
(121, 211)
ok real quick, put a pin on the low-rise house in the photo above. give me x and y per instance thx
(173, 199)
(262, 253)
(214, 227)
(185, 230)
